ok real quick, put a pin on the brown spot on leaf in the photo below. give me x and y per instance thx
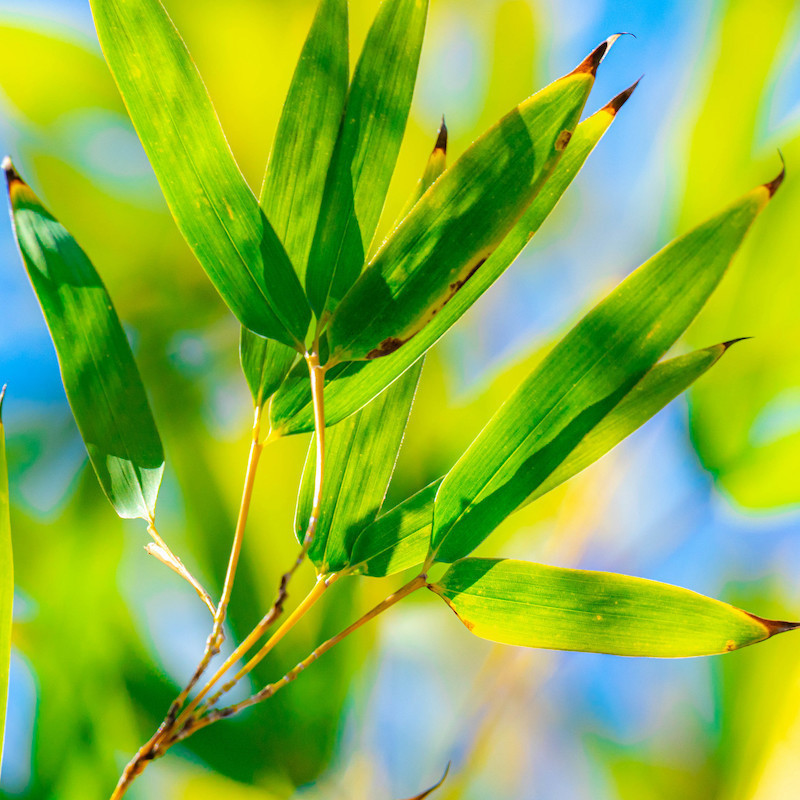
(456, 285)
(386, 347)
(730, 645)
(563, 139)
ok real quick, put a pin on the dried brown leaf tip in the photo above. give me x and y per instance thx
(732, 342)
(590, 64)
(12, 176)
(616, 104)
(774, 626)
(776, 182)
(441, 139)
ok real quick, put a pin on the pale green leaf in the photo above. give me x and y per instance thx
(6, 581)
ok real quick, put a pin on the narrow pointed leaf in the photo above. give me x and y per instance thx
(213, 207)
(6, 581)
(454, 229)
(399, 539)
(533, 605)
(352, 385)
(265, 364)
(429, 792)
(295, 178)
(596, 364)
(312, 114)
(360, 454)
(99, 373)
(366, 151)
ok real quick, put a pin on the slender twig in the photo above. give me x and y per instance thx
(268, 691)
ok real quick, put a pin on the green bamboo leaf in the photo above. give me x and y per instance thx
(213, 207)
(295, 177)
(360, 454)
(533, 605)
(99, 373)
(454, 229)
(352, 385)
(398, 539)
(366, 151)
(596, 364)
(6, 581)
(265, 364)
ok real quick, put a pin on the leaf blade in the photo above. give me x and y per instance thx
(534, 605)
(360, 455)
(352, 385)
(366, 151)
(100, 376)
(456, 226)
(212, 205)
(593, 367)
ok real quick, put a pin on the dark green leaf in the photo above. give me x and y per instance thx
(97, 367)
(212, 205)
(295, 177)
(533, 605)
(596, 364)
(457, 225)
(6, 580)
(366, 151)
(352, 385)
(398, 539)
(360, 454)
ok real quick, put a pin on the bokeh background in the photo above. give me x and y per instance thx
(707, 495)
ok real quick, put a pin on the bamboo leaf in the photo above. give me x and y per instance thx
(366, 150)
(213, 207)
(398, 539)
(533, 605)
(596, 364)
(295, 177)
(352, 385)
(429, 792)
(360, 454)
(6, 581)
(457, 225)
(99, 373)
(265, 364)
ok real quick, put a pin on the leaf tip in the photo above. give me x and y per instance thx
(590, 64)
(2, 397)
(774, 626)
(12, 176)
(616, 104)
(441, 139)
(433, 788)
(776, 182)
(731, 342)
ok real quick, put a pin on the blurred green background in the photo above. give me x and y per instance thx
(705, 496)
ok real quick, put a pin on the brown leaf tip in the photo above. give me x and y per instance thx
(2, 397)
(590, 64)
(12, 176)
(732, 342)
(616, 104)
(775, 626)
(776, 182)
(441, 139)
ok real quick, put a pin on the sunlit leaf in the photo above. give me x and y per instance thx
(456, 226)
(212, 205)
(398, 539)
(533, 605)
(366, 151)
(588, 373)
(6, 581)
(360, 454)
(352, 385)
(295, 178)
(99, 373)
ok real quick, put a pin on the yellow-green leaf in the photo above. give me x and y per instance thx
(534, 605)
(6, 580)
